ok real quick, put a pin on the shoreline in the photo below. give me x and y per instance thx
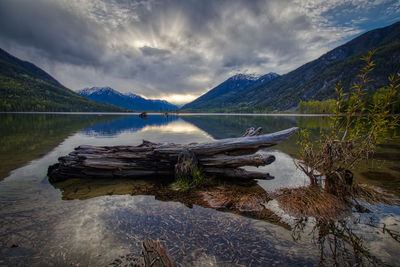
(170, 113)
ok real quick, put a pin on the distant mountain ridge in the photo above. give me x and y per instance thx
(219, 96)
(315, 80)
(27, 67)
(26, 87)
(128, 101)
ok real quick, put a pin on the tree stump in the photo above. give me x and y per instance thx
(186, 165)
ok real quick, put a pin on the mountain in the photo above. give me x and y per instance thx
(129, 101)
(316, 79)
(25, 87)
(219, 97)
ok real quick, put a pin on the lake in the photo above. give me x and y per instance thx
(103, 222)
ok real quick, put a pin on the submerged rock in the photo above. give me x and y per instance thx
(216, 200)
(233, 198)
(12, 244)
(251, 203)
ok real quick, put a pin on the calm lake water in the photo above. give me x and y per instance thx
(103, 222)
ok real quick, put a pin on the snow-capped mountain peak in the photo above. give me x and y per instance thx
(132, 95)
(242, 76)
(128, 100)
(98, 90)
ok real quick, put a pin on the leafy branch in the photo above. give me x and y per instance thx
(353, 134)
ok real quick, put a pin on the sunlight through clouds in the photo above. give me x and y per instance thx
(180, 98)
(178, 49)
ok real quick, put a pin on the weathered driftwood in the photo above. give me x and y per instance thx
(220, 158)
(155, 255)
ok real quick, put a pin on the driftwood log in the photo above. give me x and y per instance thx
(221, 158)
(155, 255)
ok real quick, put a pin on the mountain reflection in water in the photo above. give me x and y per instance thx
(91, 222)
(25, 137)
(131, 123)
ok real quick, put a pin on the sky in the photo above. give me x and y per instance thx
(179, 49)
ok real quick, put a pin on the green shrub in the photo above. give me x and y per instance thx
(352, 134)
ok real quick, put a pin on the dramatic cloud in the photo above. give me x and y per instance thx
(178, 49)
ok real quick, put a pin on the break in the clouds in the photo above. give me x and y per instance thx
(178, 49)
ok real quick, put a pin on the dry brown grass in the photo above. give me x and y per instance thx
(312, 201)
(372, 194)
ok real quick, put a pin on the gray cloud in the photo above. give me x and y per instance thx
(59, 34)
(156, 48)
(150, 51)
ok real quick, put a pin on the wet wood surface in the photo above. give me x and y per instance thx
(155, 255)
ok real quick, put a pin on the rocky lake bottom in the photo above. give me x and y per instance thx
(103, 222)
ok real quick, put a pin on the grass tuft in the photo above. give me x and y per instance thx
(372, 195)
(312, 201)
(199, 180)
